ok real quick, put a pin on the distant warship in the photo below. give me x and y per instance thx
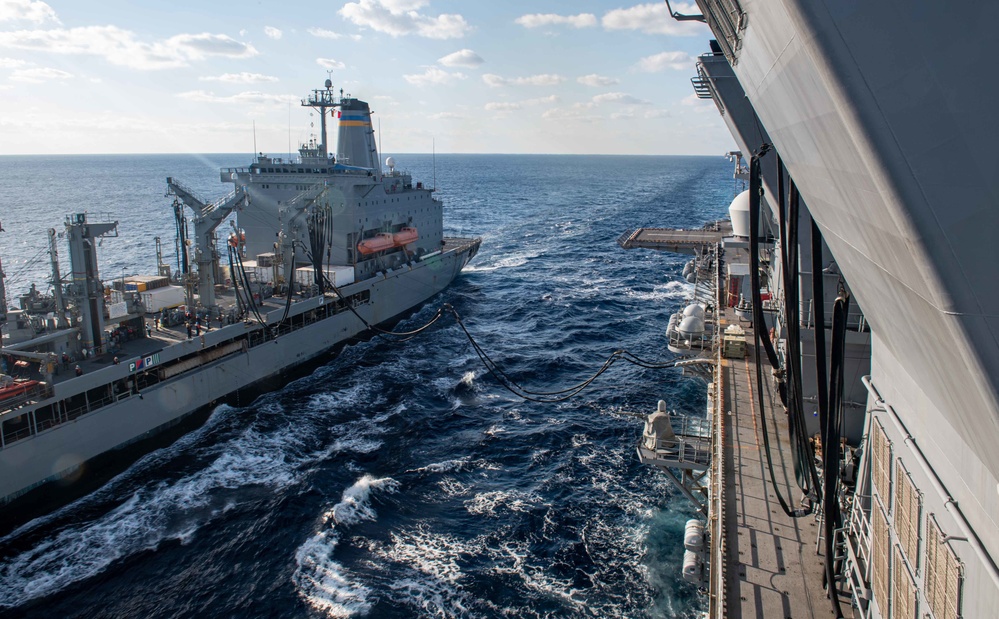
(310, 254)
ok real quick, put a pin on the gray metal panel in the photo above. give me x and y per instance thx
(908, 211)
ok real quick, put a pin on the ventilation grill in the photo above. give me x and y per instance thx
(944, 577)
(879, 557)
(908, 501)
(881, 462)
(903, 589)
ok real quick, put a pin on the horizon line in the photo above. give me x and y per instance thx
(147, 154)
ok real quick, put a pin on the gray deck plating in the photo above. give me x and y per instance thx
(770, 560)
(677, 241)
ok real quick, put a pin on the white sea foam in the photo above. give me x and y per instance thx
(456, 465)
(507, 261)
(431, 578)
(669, 291)
(172, 510)
(487, 503)
(355, 444)
(323, 582)
(147, 462)
(355, 504)
(451, 487)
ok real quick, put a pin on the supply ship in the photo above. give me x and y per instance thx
(298, 259)
(848, 462)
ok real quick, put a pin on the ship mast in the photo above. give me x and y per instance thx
(322, 99)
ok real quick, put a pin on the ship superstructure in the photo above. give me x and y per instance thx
(301, 255)
(867, 133)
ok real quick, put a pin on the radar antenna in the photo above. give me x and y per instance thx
(323, 99)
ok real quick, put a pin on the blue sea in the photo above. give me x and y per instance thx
(398, 479)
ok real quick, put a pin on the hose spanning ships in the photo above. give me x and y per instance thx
(869, 136)
(320, 251)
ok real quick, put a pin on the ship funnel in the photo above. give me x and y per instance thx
(356, 140)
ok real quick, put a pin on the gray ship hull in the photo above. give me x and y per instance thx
(60, 451)
(881, 115)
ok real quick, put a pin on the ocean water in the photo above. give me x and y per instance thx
(398, 480)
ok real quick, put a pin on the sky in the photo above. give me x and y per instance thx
(144, 76)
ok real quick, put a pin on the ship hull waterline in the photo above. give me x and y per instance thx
(57, 461)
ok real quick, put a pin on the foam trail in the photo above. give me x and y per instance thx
(355, 504)
(323, 582)
(149, 517)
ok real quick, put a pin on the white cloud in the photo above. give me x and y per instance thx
(502, 106)
(243, 98)
(679, 61)
(11, 63)
(544, 79)
(323, 33)
(39, 75)
(273, 32)
(508, 106)
(558, 113)
(618, 97)
(434, 75)
(239, 78)
(653, 18)
(537, 20)
(494, 81)
(330, 63)
(596, 81)
(446, 116)
(399, 17)
(120, 47)
(462, 58)
(26, 10)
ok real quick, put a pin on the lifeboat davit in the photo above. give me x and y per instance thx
(405, 236)
(377, 243)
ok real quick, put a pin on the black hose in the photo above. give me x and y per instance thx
(804, 458)
(496, 371)
(832, 518)
(759, 326)
(755, 195)
(247, 287)
(548, 397)
(290, 277)
(232, 274)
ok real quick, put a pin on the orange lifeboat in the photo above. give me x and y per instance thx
(377, 243)
(17, 388)
(405, 236)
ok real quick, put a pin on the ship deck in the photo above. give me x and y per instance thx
(157, 340)
(677, 240)
(770, 561)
